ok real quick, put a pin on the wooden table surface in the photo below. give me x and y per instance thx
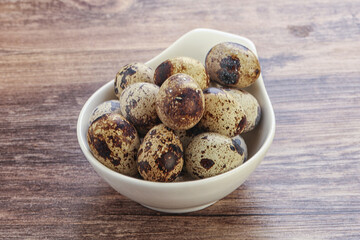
(55, 53)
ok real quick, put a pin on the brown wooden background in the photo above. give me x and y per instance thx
(55, 53)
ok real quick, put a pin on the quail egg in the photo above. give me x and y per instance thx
(180, 102)
(186, 136)
(222, 113)
(132, 73)
(186, 65)
(210, 154)
(184, 176)
(250, 106)
(240, 146)
(160, 156)
(114, 142)
(104, 108)
(232, 64)
(138, 105)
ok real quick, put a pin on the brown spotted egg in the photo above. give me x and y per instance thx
(180, 102)
(132, 73)
(114, 142)
(250, 106)
(210, 154)
(160, 156)
(138, 105)
(241, 146)
(189, 66)
(186, 136)
(222, 113)
(232, 64)
(104, 108)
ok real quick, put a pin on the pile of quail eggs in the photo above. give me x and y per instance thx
(182, 120)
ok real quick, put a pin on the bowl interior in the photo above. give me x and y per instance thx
(194, 44)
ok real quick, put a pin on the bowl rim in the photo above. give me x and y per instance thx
(132, 180)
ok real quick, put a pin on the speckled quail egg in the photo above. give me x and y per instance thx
(184, 176)
(186, 65)
(114, 142)
(186, 136)
(250, 106)
(241, 146)
(180, 102)
(223, 114)
(232, 64)
(160, 156)
(132, 73)
(111, 106)
(210, 154)
(138, 105)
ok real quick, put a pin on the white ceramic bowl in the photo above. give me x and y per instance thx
(179, 197)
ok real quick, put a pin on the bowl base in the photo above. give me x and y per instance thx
(180, 210)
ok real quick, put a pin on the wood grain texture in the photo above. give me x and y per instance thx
(55, 53)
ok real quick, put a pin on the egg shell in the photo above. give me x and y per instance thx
(232, 64)
(241, 146)
(180, 102)
(223, 114)
(111, 106)
(186, 136)
(114, 142)
(189, 66)
(210, 154)
(184, 176)
(160, 156)
(138, 105)
(132, 73)
(250, 106)
(215, 84)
